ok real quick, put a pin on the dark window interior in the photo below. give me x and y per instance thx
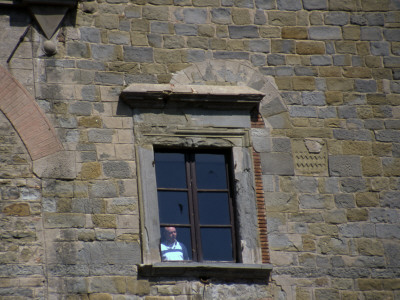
(194, 196)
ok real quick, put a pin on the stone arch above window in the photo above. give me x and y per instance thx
(28, 119)
(239, 73)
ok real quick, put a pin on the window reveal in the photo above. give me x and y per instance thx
(194, 198)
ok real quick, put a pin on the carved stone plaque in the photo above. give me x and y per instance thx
(310, 157)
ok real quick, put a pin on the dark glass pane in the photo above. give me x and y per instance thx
(184, 247)
(213, 208)
(173, 207)
(217, 244)
(210, 171)
(170, 170)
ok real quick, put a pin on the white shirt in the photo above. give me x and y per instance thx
(175, 251)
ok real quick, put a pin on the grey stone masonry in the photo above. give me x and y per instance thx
(344, 166)
(317, 159)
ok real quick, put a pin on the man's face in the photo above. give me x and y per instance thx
(170, 234)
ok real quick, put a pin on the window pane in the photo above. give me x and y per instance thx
(213, 208)
(217, 244)
(176, 251)
(210, 171)
(173, 207)
(170, 170)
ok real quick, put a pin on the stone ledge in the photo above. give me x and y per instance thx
(210, 96)
(206, 270)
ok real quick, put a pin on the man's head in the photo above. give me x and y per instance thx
(170, 234)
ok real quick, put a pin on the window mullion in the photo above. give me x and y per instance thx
(192, 210)
(194, 190)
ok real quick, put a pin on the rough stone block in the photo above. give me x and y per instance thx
(371, 34)
(221, 16)
(241, 16)
(310, 47)
(117, 169)
(337, 18)
(392, 35)
(138, 54)
(231, 55)
(78, 49)
(277, 164)
(391, 199)
(64, 220)
(357, 214)
(344, 166)
(352, 185)
(259, 46)
(289, 4)
(393, 62)
(109, 78)
(302, 111)
(347, 112)
(258, 59)
(313, 98)
(91, 35)
(321, 60)
(339, 84)
(350, 230)
(325, 33)
(260, 18)
(357, 135)
(137, 287)
(186, 29)
(314, 201)
(315, 4)
(365, 86)
(388, 135)
(275, 59)
(294, 32)
(270, 32)
(195, 15)
(58, 165)
(282, 18)
(104, 221)
(391, 166)
(380, 48)
(242, 32)
(303, 83)
(265, 4)
(102, 189)
(205, 3)
(110, 252)
(388, 231)
(371, 166)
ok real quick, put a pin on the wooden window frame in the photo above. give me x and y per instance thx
(193, 205)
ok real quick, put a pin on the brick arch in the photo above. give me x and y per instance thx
(28, 119)
(227, 72)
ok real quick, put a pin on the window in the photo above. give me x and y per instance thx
(195, 200)
(190, 189)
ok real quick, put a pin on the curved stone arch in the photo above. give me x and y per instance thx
(226, 72)
(29, 121)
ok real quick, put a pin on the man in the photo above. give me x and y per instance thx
(171, 249)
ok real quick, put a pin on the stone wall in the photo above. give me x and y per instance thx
(330, 149)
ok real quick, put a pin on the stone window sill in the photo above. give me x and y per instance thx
(206, 270)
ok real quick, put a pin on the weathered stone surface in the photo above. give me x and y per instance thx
(344, 166)
(17, 209)
(277, 163)
(58, 165)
